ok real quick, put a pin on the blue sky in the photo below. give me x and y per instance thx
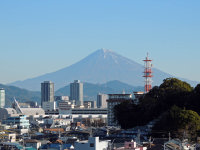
(41, 36)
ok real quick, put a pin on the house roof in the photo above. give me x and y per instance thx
(31, 141)
(54, 129)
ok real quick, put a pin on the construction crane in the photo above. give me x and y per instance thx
(16, 106)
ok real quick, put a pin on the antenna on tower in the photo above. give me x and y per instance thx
(147, 74)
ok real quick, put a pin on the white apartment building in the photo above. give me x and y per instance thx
(93, 143)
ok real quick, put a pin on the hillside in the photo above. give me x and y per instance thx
(22, 95)
(91, 90)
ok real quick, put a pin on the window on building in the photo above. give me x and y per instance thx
(91, 144)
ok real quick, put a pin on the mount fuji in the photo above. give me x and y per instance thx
(99, 67)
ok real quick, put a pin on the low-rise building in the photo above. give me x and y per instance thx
(65, 107)
(60, 122)
(178, 144)
(131, 146)
(101, 100)
(56, 146)
(93, 143)
(90, 104)
(87, 104)
(11, 146)
(21, 121)
(49, 106)
(32, 143)
(61, 98)
(8, 136)
(54, 130)
(138, 95)
(11, 112)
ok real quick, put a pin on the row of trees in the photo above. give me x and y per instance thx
(174, 102)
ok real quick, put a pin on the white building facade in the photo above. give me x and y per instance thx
(93, 143)
(2, 98)
(101, 100)
(49, 106)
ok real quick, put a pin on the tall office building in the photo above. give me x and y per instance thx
(101, 100)
(47, 92)
(2, 98)
(76, 92)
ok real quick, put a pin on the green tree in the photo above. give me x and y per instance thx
(178, 120)
(174, 84)
(174, 92)
(159, 102)
(194, 102)
(126, 114)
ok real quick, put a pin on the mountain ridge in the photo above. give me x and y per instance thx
(90, 91)
(99, 67)
(22, 95)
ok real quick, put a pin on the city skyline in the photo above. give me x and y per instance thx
(41, 37)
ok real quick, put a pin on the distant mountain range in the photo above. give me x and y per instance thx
(99, 67)
(90, 91)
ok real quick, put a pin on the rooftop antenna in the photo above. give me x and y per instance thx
(123, 91)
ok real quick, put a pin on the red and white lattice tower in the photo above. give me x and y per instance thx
(147, 74)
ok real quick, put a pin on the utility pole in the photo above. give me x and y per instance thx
(150, 141)
(138, 136)
(169, 136)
